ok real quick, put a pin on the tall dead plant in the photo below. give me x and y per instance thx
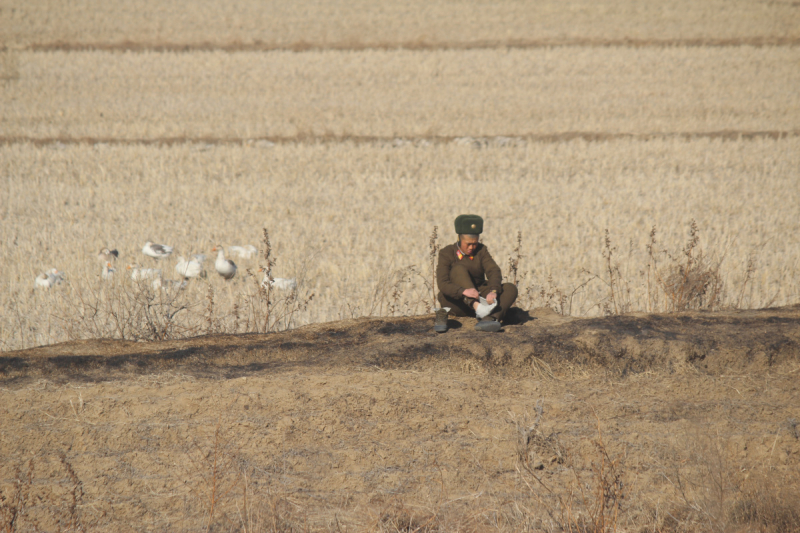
(690, 280)
(514, 274)
(215, 464)
(266, 308)
(433, 254)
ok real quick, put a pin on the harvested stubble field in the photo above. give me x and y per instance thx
(349, 130)
(386, 94)
(346, 24)
(346, 217)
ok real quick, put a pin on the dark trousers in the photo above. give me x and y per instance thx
(463, 306)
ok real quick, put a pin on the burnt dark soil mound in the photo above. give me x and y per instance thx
(537, 342)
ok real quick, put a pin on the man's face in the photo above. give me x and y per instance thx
(468, 244)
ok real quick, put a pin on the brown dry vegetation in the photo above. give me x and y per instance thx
(682, 423)
(642, 172)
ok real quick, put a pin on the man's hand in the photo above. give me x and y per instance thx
(471, 293)
(491, 297)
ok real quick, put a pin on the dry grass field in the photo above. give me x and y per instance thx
(345, 216)
(386, 94)
(417, 23)
(637, 167)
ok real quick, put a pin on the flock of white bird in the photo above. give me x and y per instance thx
(186, 269)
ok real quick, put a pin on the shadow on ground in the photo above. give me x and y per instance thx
(535, 341)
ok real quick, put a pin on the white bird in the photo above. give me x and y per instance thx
(108, 272)
(143, 273)
(200, 258)
(284, 284)
(225, 267)
(55, 275)
(248, 251)
(156, 251)
(105, 255)
(46, 280)
(43, 281)
(189, 269)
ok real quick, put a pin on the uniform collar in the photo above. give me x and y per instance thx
(462, 255)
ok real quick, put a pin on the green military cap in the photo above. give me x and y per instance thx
(469, 225)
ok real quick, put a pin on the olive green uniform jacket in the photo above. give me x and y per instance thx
(482, 269)
(454, 276)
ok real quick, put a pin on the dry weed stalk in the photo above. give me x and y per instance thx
(608, 489)
(433, 254)
(608, 251)
(514, 275)
(266, 292)
(266, 308)
(618, 302)
(214, 465)
(211, 322)
(748, 274)
(652, 265)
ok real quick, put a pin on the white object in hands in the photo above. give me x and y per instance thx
(484, 308)
(156, 251)
(108, 272)
(248, 251)
(143, 273)
(284, 284)
(225, 267)
(189, 269)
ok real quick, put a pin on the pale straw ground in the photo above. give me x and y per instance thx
(414, 23)
(451, 93)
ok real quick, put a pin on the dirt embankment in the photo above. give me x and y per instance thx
(683, 422)
(713, 343)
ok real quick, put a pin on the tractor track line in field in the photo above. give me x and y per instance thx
(304, 46)
(400, 139)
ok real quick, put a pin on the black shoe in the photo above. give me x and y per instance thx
(440, 325)
(488, 324)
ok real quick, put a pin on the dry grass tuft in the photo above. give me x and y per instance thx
(693, 281)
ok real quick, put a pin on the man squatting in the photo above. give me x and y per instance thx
(465, 274)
